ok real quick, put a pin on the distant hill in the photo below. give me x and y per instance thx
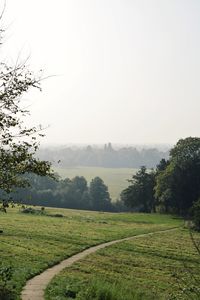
(106, 156)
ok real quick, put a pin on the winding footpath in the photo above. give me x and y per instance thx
(35, 287)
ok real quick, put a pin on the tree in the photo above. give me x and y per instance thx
(178, 185)
(99, 195)
(195, 212)
(162, 165)
(18, 144)
(80, 184)
(140, 194)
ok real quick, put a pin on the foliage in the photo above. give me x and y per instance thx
(114, 178)
(18, 143)
(6, 289)
(99, 195)
(33, 211)
(140, 194)
(178, 184)
(195, 212)
(66, 193)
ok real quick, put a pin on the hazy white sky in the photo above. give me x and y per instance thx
(127, 71)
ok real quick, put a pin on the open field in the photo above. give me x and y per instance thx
(114, 178)
(159, 266)
(32, 243)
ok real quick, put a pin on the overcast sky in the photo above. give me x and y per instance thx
(127, 71)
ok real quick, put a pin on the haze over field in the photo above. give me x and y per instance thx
(126, 71)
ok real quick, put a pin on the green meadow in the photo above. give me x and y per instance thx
(114, 178)
(32, 243)
(160, 266)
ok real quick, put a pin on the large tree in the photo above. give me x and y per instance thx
(100, 197)
(178, 184)
(140, 193)
(18, 143)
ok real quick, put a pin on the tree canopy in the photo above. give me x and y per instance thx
(18, 143)
(178, 185)
(173, 187)
(139, 194)
(99, 194)
(67, 193)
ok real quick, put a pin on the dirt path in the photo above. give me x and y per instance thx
(35, 287)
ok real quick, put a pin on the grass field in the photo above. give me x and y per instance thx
(159, 266)
(32, 243)
(114, 178)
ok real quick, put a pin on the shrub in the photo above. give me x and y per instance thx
(33, 211)
(6, 288)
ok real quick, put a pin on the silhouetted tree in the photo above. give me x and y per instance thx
(99, 194)
(140, 193)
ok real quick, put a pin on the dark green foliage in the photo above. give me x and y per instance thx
(6, 289)
(68, 193)
(178, 183)
(33, 211)
(162, 165)
(140, 193)
(195, 212)
(100, 198)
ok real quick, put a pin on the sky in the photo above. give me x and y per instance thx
(120, 71)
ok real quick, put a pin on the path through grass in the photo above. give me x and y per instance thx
(32, 243)
(150, 267)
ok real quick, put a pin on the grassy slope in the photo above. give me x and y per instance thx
(143, 268)
(31, 243)
(114, 178)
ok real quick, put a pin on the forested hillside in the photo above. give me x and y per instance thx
(107, 156)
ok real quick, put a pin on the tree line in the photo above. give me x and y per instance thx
(73, 193)
(173, 187)
(107, 156)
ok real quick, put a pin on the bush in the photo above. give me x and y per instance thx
(6, 288)
(33, 211)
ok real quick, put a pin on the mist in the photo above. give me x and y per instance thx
(120, 71)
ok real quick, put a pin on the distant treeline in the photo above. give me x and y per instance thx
(108, 157)
(67, 193)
